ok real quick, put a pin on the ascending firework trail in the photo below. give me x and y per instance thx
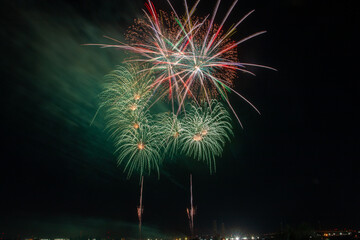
(191, 211)
(140, 208)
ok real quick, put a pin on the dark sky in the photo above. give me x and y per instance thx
(293, 164)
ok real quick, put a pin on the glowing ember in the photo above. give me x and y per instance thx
(133, 107)
(141, 146)
(197, 137)
(137, 97)
(136, 125)
(204, 132)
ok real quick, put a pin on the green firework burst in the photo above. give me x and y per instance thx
(141, 142)
(120, 121)
(169, 130)
(125, 100)
(140, 149)
(127, 88)
(206, 129)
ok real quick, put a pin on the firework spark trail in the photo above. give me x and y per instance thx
(221, 26)
(140, 208)
(232, 29)
(191, 211)
(211, 24)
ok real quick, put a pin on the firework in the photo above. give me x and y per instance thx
(206, 131)
(139, 148)
(120, 122)
(127, 88)
(169, 60)
(169, 130)
(125, 100)
(184, 58)
(190, 56)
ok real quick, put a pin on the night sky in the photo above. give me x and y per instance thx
(293, 164)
